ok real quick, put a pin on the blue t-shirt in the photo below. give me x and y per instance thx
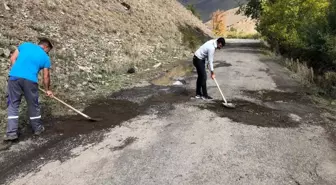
(31, 59)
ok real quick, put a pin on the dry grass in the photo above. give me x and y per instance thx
(97, 40)
(304, 73)
(323, 84)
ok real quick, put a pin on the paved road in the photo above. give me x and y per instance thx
(274, 136)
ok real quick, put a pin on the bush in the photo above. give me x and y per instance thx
(241, 35)
(300, 29)
(193, 10)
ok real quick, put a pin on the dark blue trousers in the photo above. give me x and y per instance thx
(201, 86)
(18, 87)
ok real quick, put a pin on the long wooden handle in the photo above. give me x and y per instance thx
(220, 90)
(79, 112)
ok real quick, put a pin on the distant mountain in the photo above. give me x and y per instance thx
(206, 7)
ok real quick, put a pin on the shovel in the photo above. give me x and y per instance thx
(79, 112)
(226, 104)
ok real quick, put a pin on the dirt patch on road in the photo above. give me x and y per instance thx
(120, 107)
(264, 70)
(222, 64)
(112, 112)
(266, 96)
(125, 143)
(272, 110)
(288, 102)
(251, 114)
(65, 133)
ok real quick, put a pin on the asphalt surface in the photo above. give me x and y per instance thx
(160, 135)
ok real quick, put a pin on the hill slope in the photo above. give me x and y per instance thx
(97, 39)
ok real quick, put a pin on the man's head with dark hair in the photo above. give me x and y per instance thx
(220, 43)
(45, 44)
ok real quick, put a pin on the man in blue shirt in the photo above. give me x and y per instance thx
(26, 63)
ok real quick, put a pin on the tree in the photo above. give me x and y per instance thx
(252, 9)
(218, 23)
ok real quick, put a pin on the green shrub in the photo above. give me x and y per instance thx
(193, 10)
(300, 29)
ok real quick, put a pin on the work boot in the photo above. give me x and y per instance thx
(40, 131)
(10, 138)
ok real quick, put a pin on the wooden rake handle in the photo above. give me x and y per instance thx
(72, 108)
(220, 90)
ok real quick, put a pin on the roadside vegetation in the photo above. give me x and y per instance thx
(304, 31)
(224, 24)
(234, 34)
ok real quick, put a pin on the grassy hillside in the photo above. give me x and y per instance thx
(96, 41)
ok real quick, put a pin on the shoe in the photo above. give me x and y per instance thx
(39, 132)
(207, 98)
(198, 97)
(11, 138)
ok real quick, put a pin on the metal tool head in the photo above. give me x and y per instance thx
(229, 105)
(95, 119)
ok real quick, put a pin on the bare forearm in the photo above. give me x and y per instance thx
(11, 62)
(13, 57)
(211, 59)
(46, 82)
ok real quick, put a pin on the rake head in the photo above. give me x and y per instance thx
(229, 105)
